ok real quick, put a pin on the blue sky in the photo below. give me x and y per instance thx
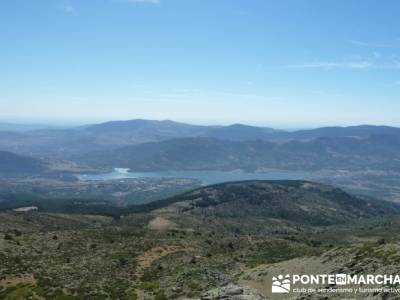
(280, 63)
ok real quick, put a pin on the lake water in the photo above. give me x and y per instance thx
(206, 177)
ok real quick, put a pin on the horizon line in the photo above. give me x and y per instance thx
(71, 123)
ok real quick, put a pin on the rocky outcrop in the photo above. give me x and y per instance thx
(233, 292)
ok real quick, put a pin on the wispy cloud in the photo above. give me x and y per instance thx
(333, 65)
(142, 1)
(373, 45)
(357, 64)
(247, 96)
(326, 94)
(193, 95)
(185, 90)
(391, 84)
(67, 8)
(181, 93)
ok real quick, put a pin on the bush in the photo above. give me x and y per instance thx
(8, 237)
(149, 286)
(160, 296)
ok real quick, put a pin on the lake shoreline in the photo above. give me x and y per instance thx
(206, 177)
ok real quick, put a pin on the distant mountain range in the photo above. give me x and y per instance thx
(62, 143)
(139, 131)
(22, 127)
(65, 143)
(240, 132)
(361, 131)
(378, 152)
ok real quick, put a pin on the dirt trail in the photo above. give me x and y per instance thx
(147, 258)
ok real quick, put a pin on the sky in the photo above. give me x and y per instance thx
(283, 63)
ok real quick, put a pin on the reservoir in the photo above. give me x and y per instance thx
(206, 177)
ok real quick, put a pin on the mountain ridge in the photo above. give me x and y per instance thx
(374, 152)
(67, 142)
(299, 201)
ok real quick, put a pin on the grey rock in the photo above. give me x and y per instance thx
(233, 292)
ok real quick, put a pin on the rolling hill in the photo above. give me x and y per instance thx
(342, 153)
(13, 164)
(297, 201)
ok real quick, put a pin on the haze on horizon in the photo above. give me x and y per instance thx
(205, 62)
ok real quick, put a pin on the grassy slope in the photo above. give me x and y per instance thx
(192, 249)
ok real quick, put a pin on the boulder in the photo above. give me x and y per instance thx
(233, 292)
